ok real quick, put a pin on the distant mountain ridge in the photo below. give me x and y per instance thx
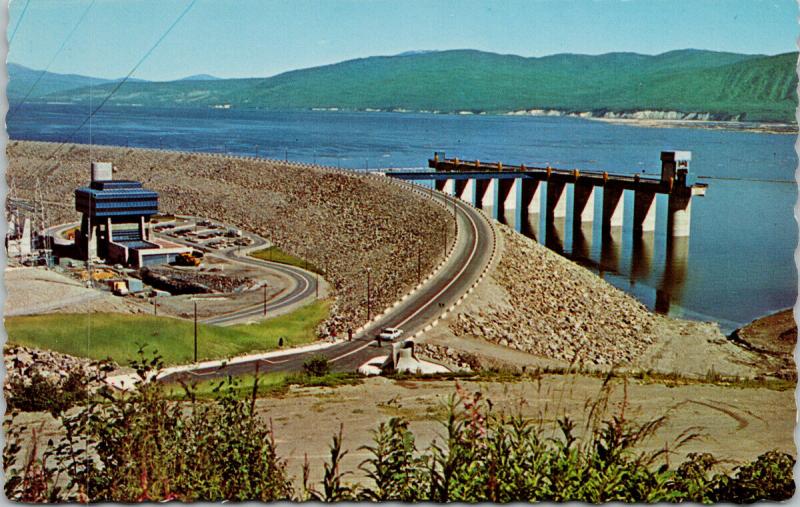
(694, 83)
(35, 84)
(200, 77)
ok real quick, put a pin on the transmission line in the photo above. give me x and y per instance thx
(19, 22)
(52, 60)
(118, 85)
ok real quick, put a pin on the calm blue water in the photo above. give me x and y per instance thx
(736, 266)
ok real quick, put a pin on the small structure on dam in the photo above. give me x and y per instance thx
(115, 225)
(590, 196)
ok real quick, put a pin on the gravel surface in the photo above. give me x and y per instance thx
(342, 222)
(557, 309)
(37, 290)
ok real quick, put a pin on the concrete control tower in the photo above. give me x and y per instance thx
(115, 222)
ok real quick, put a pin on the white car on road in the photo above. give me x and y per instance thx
(390, 334)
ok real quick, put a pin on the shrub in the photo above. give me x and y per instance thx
(142, 447)
(38, 393)
(769, 477)
(316, 366)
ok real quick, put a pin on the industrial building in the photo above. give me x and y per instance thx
(18, 237)
(115, 223)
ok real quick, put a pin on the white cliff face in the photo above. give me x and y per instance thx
(646, 114)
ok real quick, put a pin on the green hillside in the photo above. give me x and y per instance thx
(22, 80)
(726, 85)
(35, 84)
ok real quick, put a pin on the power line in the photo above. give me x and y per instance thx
(757, 180)
(19, 22)
(52, 60)
(119, 84)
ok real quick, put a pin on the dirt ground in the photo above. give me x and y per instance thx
(776, 333)
(37, 290)
(736, 423)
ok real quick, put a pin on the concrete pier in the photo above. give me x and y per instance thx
(527, 201)
(606, 201)
(613, 212)
(500, 197)
(644, 212)
(460, 186)
(556, 200)
(679, 219)
(582, 204)
(489, 197)
(470, 192)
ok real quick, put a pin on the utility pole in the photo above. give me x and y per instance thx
(195, 331)
(419, 261)
(455, 217)
(368, 297)
(444, 230)
(155, 305)
(265, 300)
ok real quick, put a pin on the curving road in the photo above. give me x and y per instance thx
(302, 284)
(472, 254)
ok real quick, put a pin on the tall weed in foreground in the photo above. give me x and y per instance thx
(142, 446)
(489, 456)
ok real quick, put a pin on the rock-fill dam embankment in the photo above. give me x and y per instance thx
(341, 222)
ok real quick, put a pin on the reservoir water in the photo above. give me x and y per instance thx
(737, 264)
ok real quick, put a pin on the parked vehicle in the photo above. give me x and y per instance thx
(186, 259)
(389, 334)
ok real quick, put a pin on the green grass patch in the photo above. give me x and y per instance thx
(118, 336)
(275, 254)
(269, 384)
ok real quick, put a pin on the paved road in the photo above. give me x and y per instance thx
(302, 284)
(471, 256)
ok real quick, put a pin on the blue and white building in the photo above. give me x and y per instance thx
(115, 223)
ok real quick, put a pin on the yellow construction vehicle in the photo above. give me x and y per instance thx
(186, 259)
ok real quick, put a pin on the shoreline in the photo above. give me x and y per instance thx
(730, 126)
(774, 333)
(637, 118)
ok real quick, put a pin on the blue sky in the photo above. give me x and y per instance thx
(243, 38)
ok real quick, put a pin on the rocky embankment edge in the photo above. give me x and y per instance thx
(24, 364)
(553, 308)
(537, 310)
